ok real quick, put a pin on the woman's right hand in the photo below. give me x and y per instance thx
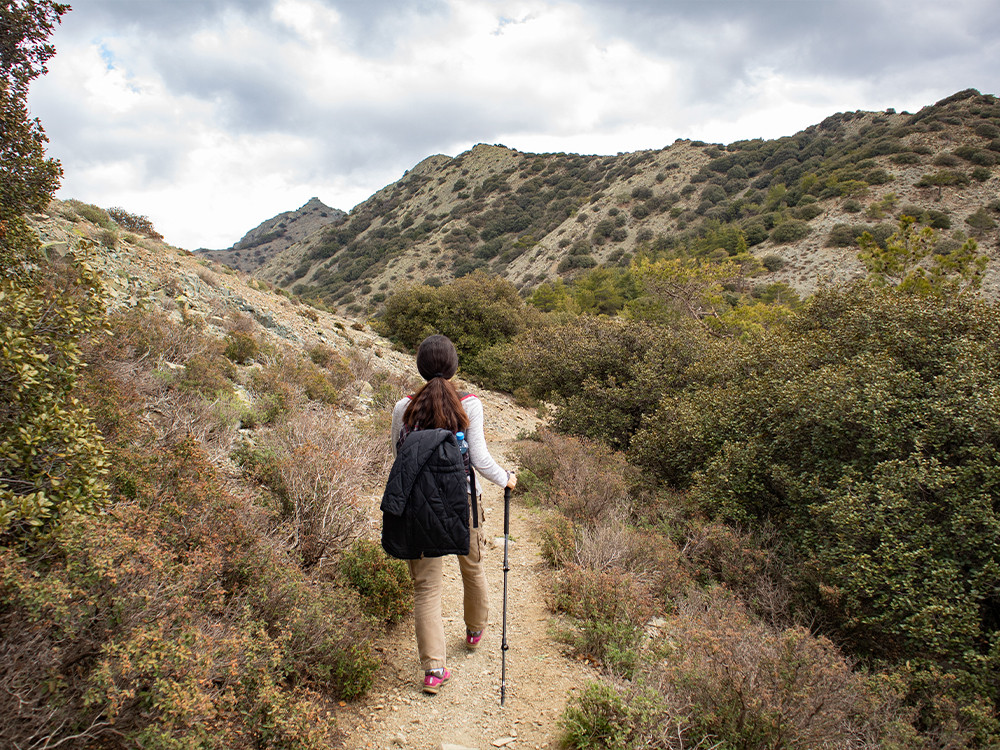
(511, 479)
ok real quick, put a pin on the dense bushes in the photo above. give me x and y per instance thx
(861, 429)
(475, 312)
(170, 617)
(866, 432)
(52, 460)
(718, 677)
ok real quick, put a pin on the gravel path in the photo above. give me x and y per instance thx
(467, 712)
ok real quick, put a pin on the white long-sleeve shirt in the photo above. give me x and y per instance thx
(479, 454)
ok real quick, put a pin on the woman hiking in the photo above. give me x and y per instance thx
(438, 405)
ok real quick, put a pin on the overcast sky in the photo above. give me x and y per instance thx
(210, 116)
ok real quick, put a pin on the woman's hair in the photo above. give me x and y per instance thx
(436, 404)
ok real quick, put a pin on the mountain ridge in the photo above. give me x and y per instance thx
(275, 235)
(533, 218)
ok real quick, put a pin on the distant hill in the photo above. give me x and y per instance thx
(276, 235)
(801, 199)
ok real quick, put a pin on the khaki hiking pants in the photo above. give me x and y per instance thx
(427, 585)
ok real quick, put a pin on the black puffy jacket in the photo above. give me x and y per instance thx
(425, 507)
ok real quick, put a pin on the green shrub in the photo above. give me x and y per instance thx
(845, 235)
(134, 223)
(773, 262)
(92, 213)
(944, 178)
(597, 719)
(866, 431)
(475, 312)
(383, 583)
(946, 160)
(608, 608)
(790, 231)
(980, 220)
(52, 459)
(208, 374)
(241, 347)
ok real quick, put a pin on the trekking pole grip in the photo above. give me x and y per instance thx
(506, 510)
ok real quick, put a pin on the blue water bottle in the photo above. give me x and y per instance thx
(463, 446)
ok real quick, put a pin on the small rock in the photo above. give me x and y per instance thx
(399, 740)
(504, 741)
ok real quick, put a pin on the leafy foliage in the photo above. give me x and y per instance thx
(51, 458)
(864, 433)
(475, 312)
(134, 223)
(383, 582)
(901, 261)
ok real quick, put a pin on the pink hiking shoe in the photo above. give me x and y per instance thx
(472, 639)
(434, 679)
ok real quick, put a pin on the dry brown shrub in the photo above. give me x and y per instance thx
(753, 685)
(558, 540)
(583, 478)
(208, 277)
(324, 464)
(176, 415)
(148, 333)
(748, 564)
(238, 321)
(288, 379)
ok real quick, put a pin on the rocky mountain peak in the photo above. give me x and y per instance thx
(277, 234)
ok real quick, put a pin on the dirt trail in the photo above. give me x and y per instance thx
(467, 711)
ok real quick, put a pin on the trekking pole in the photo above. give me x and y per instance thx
(506, 567)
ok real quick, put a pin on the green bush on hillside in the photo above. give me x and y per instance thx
(475, 312)
(383, 583)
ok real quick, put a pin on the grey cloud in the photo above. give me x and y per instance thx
(371, 25)
(835, 38)
(159, 18)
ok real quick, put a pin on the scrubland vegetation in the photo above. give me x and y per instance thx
(541, 219)
(183, 561)
(773, 521)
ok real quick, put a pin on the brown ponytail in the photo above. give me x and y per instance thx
(436, 404)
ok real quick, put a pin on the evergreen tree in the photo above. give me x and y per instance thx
(51, 456)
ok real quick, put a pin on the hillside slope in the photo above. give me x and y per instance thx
(143, 274)
(272, 237)
(535, 217)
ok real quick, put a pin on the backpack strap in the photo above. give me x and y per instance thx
(475, 500)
